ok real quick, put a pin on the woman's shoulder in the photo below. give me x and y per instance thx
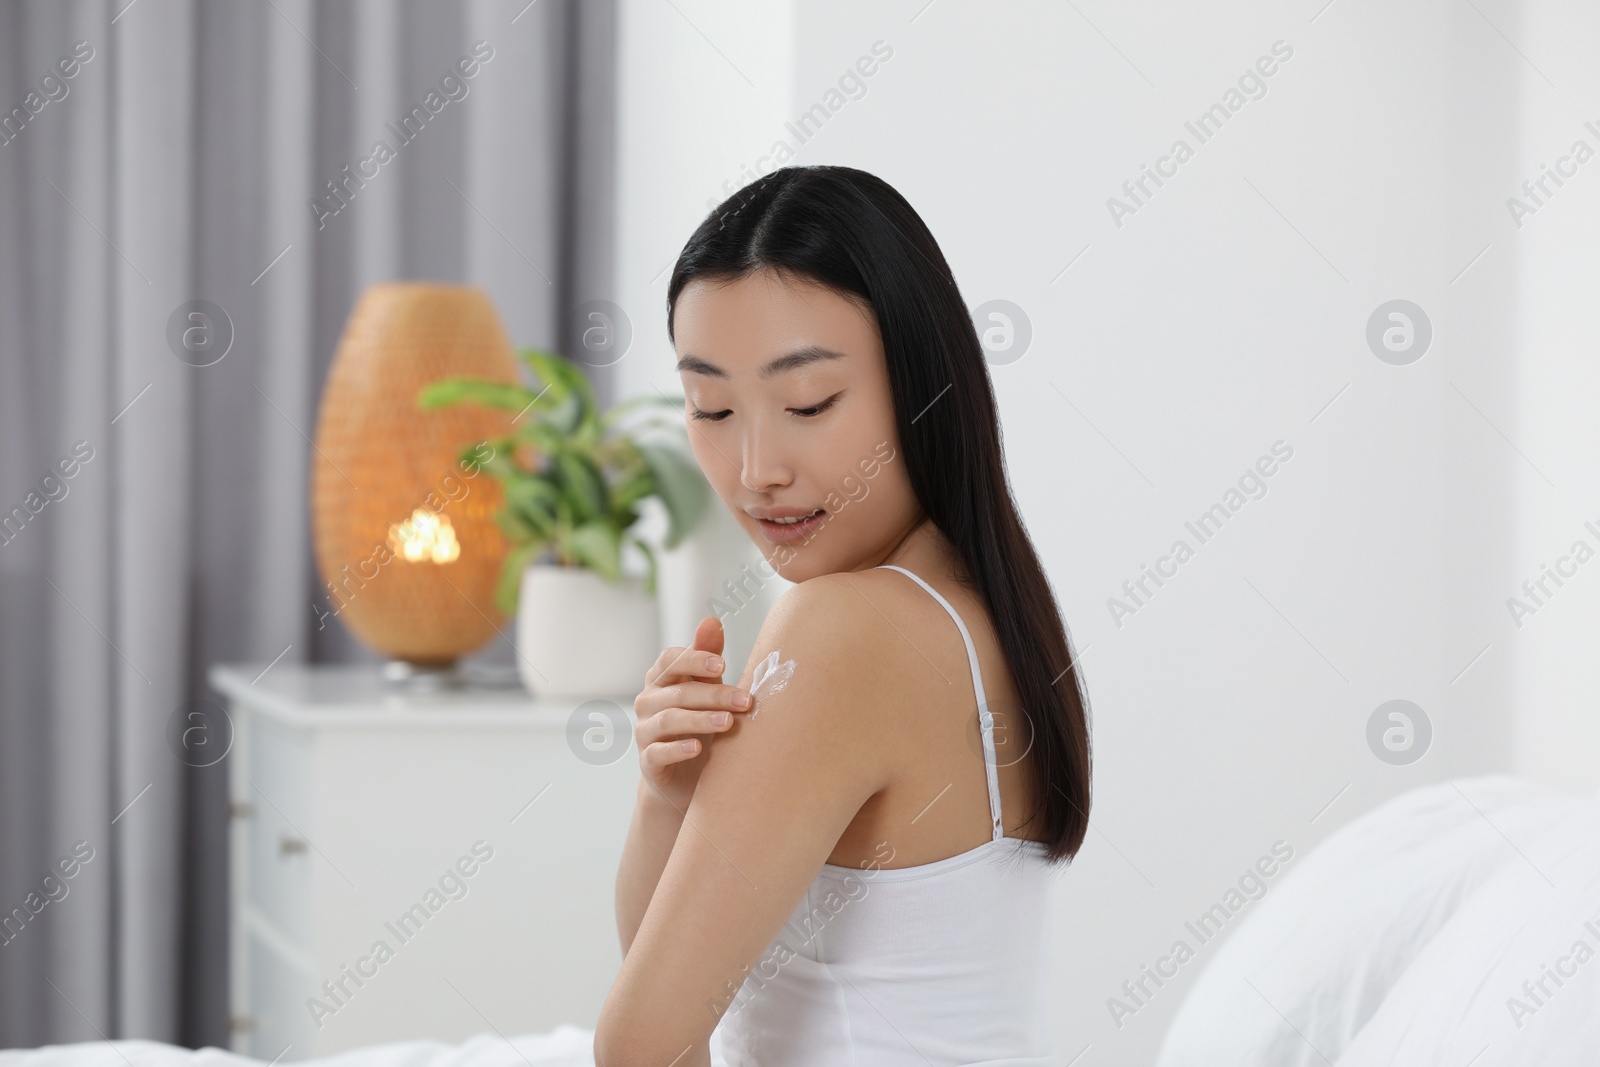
(847, 596)
(861, 633)
(853, 614)
(833, 616)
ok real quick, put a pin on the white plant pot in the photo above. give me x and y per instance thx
(579, 635)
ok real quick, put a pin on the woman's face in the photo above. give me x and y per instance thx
(790, 415)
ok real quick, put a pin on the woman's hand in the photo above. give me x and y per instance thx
(684, 697)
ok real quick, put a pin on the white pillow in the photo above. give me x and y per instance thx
(1296, 981)
(1514, 976)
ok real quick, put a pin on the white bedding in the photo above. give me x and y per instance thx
(565, 1046)
(1402, 936)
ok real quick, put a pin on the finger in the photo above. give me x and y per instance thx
(666, 753)
(697, 695)
(677, 723)
(693, 664)
(709, 635)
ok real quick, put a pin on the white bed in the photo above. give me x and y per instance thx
(565, 1046)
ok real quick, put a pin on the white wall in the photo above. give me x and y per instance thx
(1226, 314)
(1557, 671)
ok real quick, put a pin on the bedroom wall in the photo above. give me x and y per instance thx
(1557, 674)
(1170, 353)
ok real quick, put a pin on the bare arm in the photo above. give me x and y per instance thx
(650, 838)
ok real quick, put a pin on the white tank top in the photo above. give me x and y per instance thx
(942, 964)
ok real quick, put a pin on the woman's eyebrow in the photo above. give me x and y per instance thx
(800, 357)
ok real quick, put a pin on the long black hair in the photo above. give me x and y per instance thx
(852, 232)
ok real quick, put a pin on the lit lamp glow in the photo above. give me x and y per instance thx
(425, 537)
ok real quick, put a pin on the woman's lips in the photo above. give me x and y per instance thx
(784, 533)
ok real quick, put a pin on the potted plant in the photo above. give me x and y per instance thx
(573, 478)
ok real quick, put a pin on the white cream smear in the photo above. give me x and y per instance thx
(770, 677)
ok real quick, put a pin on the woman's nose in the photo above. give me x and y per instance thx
(765, 465)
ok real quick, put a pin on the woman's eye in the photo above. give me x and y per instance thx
(808, 413)
(818, 409)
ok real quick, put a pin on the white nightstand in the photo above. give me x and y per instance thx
(474, 833)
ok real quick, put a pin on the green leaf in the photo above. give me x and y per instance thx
(459, 390)
(569, 387)
(492, 455)
(532, 499)
(582, 485)
(517, 529)
(632, 491)
(635, 481)
(598, 546)
(566, 417)
(541, 435)
(649, 554)
(508, 587)
(681, 487)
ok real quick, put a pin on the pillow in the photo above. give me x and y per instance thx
(1296, 981)
(1514, 976)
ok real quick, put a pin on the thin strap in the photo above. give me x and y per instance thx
(985, 717)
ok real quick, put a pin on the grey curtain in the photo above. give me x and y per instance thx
(155, 153)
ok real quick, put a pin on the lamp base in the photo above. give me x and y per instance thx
(423, 677)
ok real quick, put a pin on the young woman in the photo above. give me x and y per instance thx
(855, 869)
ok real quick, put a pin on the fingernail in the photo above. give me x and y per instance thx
(715, 664)
(741, 699)
(720, 718)
(687, 746)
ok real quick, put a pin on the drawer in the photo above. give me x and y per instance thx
(280, 831)
(279, 989)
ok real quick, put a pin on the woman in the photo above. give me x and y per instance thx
(855, 869)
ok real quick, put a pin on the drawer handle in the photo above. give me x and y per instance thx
(288, 846)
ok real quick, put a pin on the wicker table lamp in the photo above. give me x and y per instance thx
(405, 537)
